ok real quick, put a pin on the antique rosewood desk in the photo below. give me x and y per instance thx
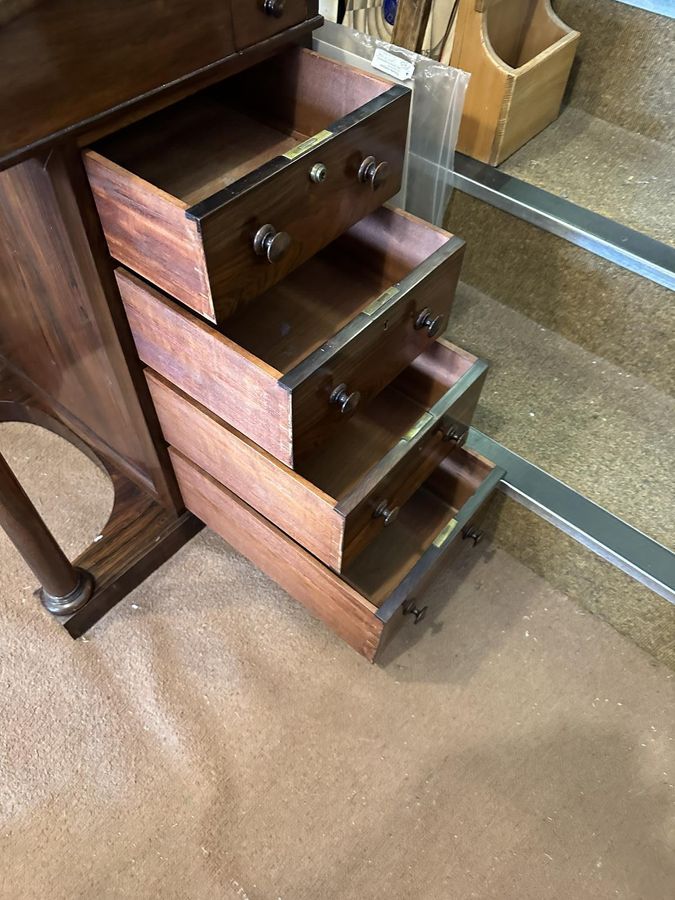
(71, 71)
(202, 287)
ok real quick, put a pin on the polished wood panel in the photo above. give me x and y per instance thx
(383, 454)
(347, 315)
(67, 64)
(251, 23)
(305, 511)
(63, 327)
(426, 534)
(211, 368)
(144, 178)
(65, 61)
(164, 238)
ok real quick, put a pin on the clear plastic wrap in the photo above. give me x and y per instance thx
(436, 111)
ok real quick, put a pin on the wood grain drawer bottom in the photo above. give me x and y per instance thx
(373, 596)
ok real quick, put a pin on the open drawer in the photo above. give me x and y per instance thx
(294, 364)
(343, 495)
(383, 586)
(222, 195)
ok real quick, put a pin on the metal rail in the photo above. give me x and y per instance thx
(601, 532)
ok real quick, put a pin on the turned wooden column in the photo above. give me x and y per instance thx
(64, 589)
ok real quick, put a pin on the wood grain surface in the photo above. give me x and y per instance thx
(67, 66)
(63, 326)
(208, 366)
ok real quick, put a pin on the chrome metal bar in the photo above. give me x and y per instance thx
(636, 554)
(602, 236)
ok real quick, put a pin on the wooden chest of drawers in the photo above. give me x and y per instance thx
(291, 328)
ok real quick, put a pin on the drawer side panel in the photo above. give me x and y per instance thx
(261, 481)
(148, 231)
(200, 361)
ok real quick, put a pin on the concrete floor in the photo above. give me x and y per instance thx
(210, 740)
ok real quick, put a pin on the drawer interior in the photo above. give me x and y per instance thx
(210, 140)
(395, 414)
(380, 568)
(287, 323)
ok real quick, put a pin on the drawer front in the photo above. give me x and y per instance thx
(375, 347)
(282, 195)
(257, 20)
(439, 432)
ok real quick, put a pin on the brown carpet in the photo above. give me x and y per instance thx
(210, 740)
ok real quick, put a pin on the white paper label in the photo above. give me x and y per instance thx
(393, 65)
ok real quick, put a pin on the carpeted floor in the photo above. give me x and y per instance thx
(210, 740)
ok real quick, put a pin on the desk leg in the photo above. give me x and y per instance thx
(65, 589)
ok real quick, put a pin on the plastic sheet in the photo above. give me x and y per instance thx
(436, 111)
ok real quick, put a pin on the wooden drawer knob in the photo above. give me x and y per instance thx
(373, 173)
(426, 319)
(271, 243)
(410, 609)
(274, 8)
(457, 434)
(471, 533)
(347, 401)
(383, 511)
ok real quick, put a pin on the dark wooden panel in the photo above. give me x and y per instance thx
(68, 66)
(64, 61)
(252, 22)
(306, 514)
(63, 326)
(166, 245)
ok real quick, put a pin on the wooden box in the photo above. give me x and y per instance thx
(519, 54)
